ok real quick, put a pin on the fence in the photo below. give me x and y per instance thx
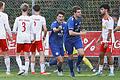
(90, 10)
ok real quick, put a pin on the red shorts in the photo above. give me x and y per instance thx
(37, 45)
(3, 45)
(108, 49)
(23, 47)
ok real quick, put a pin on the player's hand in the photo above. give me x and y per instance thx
(105, 45)
(83, 32)
(60, 27)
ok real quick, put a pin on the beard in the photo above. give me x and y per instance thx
(102, 14)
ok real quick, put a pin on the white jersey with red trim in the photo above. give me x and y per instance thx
(106, 25)
(23, 29)
(37, 23)
(4, 26)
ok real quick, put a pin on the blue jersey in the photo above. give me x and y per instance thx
(57, 37)
(72, 24)
(72, 41)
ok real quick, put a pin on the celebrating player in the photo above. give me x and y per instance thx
(56, 40)
(73, 39)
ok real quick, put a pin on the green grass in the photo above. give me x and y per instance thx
(82, 76)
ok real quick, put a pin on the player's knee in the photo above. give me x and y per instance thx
(59, 59)
(101, 56)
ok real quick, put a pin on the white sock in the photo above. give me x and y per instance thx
(32, 67)
(26, 66)
(7, 63)
(19, 62)
(100, 68)
(111, 69)
(42, 67)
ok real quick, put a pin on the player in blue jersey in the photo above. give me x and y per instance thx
(56, 40)
(73, 39)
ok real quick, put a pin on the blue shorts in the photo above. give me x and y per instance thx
(70, 44)
(57, 50)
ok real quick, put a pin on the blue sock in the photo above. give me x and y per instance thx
(53, 62)
(79, 60)
(70, 63)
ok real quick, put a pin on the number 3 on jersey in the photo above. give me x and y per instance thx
(23, 26)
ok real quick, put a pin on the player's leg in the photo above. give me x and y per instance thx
(18, 59)
(56, 52)
(69, 51)
(42, 57)
(101, 59)
(27, 61)
(4, 47)
(7, 62)
(80, 58)
(42, 62)
(26, 55)
(33, 52)
(78, 45)
(110, 60)
(33, 62)
(60, 61)
(88, 63)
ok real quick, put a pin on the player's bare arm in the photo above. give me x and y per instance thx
(45, 31)
(116, 29)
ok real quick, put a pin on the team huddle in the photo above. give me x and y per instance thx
(29, 39)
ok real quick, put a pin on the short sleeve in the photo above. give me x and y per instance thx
(70, 24)
(110, 24)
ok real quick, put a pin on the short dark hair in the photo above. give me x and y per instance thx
(24, 7)
(75, 8)
(1, 4)
(60, 12)
(36, 8)
(105, 6)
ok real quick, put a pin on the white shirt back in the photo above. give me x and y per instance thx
(106, 25)
(23, 29)
(4, 26)
(37, 24)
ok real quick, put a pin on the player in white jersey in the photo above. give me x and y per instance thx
(38, 22)
(107, 39)
(23, 30)
(4, 27)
